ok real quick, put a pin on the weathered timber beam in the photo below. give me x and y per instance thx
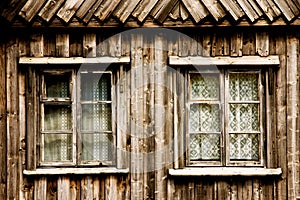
(224, 60)
(79, 171)
(73, 60)
(225, 171)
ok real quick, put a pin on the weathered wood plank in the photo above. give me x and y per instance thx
(226, 171)
(248, 10)
(13, 142)
(63, 188)
(215, 9)
(91, 12)
(106, 8)
(49, 44)
(236, 44)
(110, 187)
(267, 9)
(49, 9)
(115, 45)
(249, 47)
(124, 9)
(288, 9)
(85, 8)
(159, 116)
(12, 8)
(175, 12)
(30, 9)
(220, 45)
(262, 43)
(3, 134)
(62, 45)
(233, 8)
(224, 60)
(292, 108)
(40, 188)
(37, 45)
(143, 9)
(75, 171)
(52, 186)
(162, 9)
(76, 41)
(184, 13)
(89, 45)
(86, 188)
(196, 9)
(67, 11)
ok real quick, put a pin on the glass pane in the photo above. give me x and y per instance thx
(244, 117)
(205, 118)
(205, 147)
(97, 147)
(57, 147)
(57, 86)
(205, 86)
(244, 146)
(96, 117)
(57, 118)
(95, 87)
(243, 87)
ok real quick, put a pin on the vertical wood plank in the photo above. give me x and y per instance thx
(249, 47)
(236, 44)
(49, 44)
(76, 44)
(37, 45)
(136, 115)
(40, 188)
(102, 45)
(62, 45)
(86, 186)
(114, 45)
(220, 45)
(160, 120)
(13, 140)
(281, 127)
(63, 188)
(110, 187)
(3, 135)
(262, 43)
(52, 188)
(206, 45)
(292, 106)
(89, 45)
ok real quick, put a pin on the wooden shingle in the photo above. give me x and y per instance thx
(85, 7)
(288, 8)
(31, 9)
(233, 8)
(143, 9)
(162, 9)
(249, 11)
(91, 12)
(106, 8)
(50, 9)
(196, 9)
(124, 9)
(214, 8)
(12, 9)
(267, 9)
(69, 9)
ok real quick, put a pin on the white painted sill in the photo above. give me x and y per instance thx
(226, 171)
(75, 171)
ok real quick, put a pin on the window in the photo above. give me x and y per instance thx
(76, 117)
(225, 117)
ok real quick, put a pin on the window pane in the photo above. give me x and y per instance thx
(244, 117)
(57, 147)
(97, 147)
(96, 117)
(95, 87)
(205, 86)
(244, 146)
(243, 87)
(57, 86)
(204, 147)
(57, 118)
(204, 118)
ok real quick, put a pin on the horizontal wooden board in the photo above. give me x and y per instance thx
(73, 60)
(76, 171)
(224, 60)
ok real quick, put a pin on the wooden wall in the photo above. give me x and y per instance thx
(150, 114)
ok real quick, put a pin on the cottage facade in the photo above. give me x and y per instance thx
(148, 99)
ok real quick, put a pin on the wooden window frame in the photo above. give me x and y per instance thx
(31, 66)
(181, 64)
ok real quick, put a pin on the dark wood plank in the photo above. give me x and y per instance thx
(162, 10)
(106, 8)
(31, 9)
(233, 8)
(62, 45)
(84, 8)
(12, 9)
(91, 12)
(67, 11)
(3, 135)
(49, 9)
(215, 9)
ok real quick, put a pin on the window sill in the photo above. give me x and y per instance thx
(79, 171)
(226, 171)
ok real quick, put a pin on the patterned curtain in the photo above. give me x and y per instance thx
(57, 119)
(244, 117)
(204, 117)
(96, 124)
